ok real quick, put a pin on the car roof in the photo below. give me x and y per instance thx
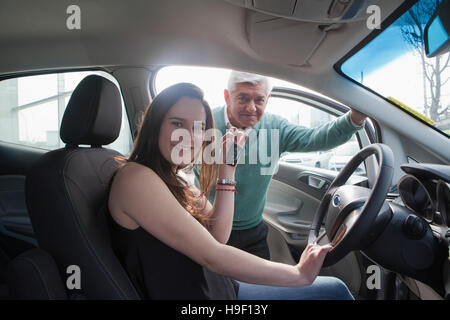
(115, 33)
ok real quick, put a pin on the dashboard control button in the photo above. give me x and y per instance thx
(414, 227)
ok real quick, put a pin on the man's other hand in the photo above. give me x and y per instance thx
(357, 117)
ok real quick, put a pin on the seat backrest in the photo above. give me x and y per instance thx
(67, 192)
(33, 275)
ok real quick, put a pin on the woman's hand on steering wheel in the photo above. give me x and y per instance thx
(311, 262)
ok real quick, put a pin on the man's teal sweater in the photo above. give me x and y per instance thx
(253, 179)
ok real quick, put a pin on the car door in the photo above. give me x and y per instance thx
(297, 188)
(302, 179)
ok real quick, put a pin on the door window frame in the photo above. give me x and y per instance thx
(336, 109)
(371, 129)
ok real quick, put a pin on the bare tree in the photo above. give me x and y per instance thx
(413, 25)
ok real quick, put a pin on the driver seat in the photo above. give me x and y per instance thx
(67, 193)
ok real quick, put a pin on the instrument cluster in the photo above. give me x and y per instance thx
(428, 198)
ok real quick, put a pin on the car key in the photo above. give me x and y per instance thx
(234, 153)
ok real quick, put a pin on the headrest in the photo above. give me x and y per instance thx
(94, 113)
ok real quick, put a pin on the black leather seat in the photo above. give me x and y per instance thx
(67, 193)
(33, 275)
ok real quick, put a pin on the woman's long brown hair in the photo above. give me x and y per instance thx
(146, 148)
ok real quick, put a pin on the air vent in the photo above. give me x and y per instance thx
(338, 8)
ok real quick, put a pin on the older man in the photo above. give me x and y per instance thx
(246, 99)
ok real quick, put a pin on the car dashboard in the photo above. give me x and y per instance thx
(425, 191)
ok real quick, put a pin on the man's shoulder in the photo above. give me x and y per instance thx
(271, 121)
(219, 118)
(217, 111)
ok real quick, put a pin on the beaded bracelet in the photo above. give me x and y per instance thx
(222, 189)
(226, 184)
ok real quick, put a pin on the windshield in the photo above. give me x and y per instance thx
(395, 66)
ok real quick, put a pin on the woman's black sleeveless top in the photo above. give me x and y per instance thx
(160, 272)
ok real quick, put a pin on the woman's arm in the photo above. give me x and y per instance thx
(221, 219)
(139, 193)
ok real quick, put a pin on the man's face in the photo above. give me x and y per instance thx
(246, 104)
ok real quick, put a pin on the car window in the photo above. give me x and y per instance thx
(32, 107)
(213, 81)
(305, 115)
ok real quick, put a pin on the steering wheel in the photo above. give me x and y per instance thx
(351, 210)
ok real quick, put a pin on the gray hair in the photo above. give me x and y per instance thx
(244, 77)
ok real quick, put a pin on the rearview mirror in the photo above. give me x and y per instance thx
(437, 31)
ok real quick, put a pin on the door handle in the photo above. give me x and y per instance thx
(316, 182)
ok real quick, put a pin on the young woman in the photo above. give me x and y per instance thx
(171, 240)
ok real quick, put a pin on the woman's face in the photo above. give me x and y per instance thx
(182, 132)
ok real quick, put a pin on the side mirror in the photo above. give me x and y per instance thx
(437, 31)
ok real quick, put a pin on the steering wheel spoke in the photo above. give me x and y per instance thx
(351, 219)
(339, 235)
(322, 239)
